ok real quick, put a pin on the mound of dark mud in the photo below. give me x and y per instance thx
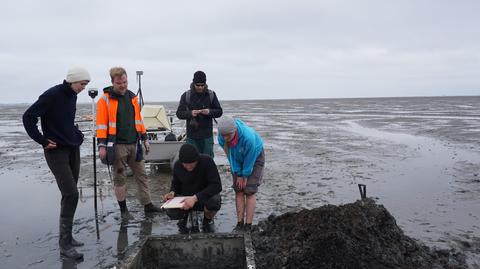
(358, 235)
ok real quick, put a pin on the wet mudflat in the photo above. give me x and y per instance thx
(419, 157)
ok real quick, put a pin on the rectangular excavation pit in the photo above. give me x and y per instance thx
(232, 251)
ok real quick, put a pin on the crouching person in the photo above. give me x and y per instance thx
(195, 176)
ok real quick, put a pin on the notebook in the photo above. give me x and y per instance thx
(176, 202)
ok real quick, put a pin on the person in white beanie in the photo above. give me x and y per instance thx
(78, 74)
(61, 142)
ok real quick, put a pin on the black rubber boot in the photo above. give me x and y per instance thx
(150, 208)
(126, 216)
(193, 219)
(208, 225)
(239, 228)
(67, 250)
(76, 243)
(182, 225)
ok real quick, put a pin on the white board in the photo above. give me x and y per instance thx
(176, 202)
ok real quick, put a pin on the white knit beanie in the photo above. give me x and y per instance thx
(76, 74)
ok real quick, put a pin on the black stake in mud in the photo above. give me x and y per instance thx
(363, 190)
(92, 92)
(139, 92)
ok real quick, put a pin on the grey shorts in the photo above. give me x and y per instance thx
(255, 179)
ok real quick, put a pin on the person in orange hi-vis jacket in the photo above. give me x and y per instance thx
(120, 131)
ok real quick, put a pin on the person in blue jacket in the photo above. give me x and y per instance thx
(244, 149)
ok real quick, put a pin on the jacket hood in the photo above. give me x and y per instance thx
(108, 89)
(112, 93)
(67, 88)
(192, 87)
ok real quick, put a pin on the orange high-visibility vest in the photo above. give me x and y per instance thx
(107, 119)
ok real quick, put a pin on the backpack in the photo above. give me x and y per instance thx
(189, 95)
(170, 137)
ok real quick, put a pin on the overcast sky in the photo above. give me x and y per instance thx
(248, 49)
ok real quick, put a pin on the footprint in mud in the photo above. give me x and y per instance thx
(35, 263)
(319, 184)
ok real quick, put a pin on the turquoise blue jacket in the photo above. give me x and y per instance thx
(242, 156)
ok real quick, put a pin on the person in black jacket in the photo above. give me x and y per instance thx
(61, 142)
(199, 106)
(195, 176)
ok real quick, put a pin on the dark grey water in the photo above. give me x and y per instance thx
(420, 157)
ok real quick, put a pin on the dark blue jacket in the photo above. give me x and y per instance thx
(56, 107)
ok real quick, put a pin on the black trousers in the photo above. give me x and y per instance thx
(65, 165)
(212, 204)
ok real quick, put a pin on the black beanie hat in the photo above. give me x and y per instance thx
(199, 77)
(188, 154)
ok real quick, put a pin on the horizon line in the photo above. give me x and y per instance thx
(306, 98)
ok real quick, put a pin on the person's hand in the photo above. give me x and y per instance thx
(189, 202)
(241, 183)
(195, 112)
(51, 144)
(169, 196)
(102, 153)
(147, 147)
(205, 111)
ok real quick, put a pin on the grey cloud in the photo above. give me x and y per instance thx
(249, 49)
